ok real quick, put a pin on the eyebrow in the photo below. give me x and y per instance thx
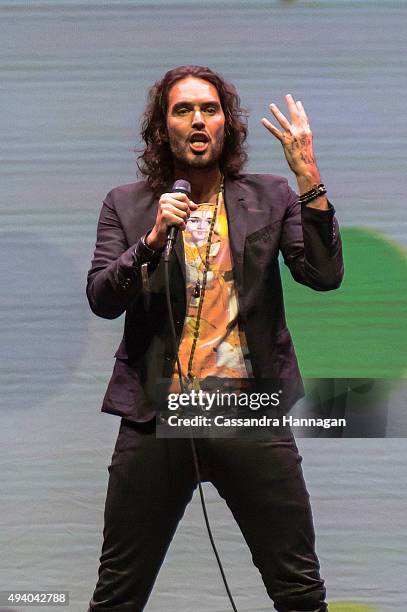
(186, 103)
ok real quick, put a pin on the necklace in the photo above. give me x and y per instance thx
(200, 261)
(199, 293)
(197, 290)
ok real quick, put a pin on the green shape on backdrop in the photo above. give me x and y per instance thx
(348, 606)
(360, 329)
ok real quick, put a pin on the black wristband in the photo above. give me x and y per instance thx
(147, 248)
(144, 253)
(312, 194)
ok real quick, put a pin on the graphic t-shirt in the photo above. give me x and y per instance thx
(220, 345)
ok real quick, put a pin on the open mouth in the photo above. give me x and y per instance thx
(199, 142)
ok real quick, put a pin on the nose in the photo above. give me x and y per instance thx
(197, 121)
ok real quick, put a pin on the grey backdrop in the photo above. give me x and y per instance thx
(73, 82)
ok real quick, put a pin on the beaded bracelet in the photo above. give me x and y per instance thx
(312, 194)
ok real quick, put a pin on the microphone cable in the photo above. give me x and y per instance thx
(193, 447)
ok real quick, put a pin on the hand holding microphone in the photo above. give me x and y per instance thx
(174, 209)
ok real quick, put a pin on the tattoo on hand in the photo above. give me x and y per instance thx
(308, 159)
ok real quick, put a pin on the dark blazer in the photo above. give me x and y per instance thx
(264, 217)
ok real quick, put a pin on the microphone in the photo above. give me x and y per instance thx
(179, 186)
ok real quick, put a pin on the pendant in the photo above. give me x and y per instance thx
(195, 384)
(191, 383)
(197, 290)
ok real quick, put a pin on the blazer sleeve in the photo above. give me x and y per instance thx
(311, 245)
(114, 279)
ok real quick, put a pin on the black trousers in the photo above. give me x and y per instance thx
(151, 482)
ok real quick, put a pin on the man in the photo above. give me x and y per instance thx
(193, 130)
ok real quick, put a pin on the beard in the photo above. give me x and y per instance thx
(184, 157)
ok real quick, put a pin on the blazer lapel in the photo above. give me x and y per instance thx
(236, 210)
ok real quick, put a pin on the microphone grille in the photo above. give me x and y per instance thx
(182, 186)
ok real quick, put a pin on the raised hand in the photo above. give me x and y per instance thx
(296, 136)
(296, 139)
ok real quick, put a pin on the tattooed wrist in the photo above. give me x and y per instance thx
(307, 158)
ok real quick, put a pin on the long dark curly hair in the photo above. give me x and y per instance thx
(155, 161)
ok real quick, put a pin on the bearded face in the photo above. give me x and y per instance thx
(195, 123)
